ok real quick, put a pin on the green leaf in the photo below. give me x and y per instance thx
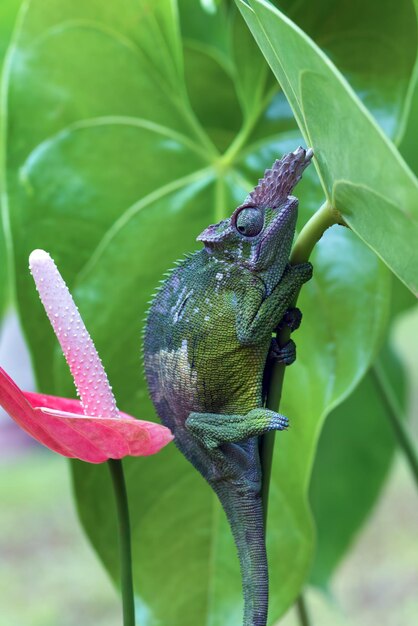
(373, 44)
(219, 50)
(407, 144)
(217, 109)
(409, 127)
(114, 172)
(346, 140)
(354, 455)
(8, 11)
(88, 143)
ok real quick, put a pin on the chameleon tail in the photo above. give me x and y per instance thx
(245, 515)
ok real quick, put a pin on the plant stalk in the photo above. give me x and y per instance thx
(302, 611)
(394, 412)
(310, 234)
(121, 499)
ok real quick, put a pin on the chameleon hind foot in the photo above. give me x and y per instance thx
(292, 319)
(283, 354)
(213, 430)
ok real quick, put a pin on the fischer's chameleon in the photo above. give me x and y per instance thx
(208, 339)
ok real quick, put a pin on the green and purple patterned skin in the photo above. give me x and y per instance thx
(208, 341)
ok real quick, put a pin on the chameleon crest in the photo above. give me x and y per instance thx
(207, 348)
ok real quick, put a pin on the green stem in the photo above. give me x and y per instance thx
(394, 411)
(302, 610)
(310, 234)
(119, 489)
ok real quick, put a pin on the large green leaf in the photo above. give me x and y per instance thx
(8, 11)
(373, 44)
(354, 455)
(91, 139)
(408, 142)
(380, 203)
(409, 128)
(113, 171)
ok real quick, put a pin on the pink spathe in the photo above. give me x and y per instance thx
(59, 424)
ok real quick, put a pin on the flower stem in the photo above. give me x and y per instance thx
(119, 489)
(302, 611)
(310, 234)
(394, 412)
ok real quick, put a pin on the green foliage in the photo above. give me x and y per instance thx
(410, 129)
(8, 11)
(373, 44)
(354, 454)
(131, 127)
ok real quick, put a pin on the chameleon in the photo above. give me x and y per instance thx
(207, 348)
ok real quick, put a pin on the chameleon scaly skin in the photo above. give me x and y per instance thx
(207, 342)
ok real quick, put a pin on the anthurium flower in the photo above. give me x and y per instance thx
(92, 429)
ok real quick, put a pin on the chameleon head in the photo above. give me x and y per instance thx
(260, 232)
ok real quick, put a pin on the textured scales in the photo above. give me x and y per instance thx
(207, 343)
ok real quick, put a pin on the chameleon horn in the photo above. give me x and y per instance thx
(279, 181)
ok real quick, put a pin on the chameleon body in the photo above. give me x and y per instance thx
(207, 342)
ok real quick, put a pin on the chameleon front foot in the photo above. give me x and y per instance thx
(212, 429)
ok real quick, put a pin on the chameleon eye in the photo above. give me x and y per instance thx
(250, 222)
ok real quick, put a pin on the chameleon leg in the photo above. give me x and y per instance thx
(255, 321)
(213, 430)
